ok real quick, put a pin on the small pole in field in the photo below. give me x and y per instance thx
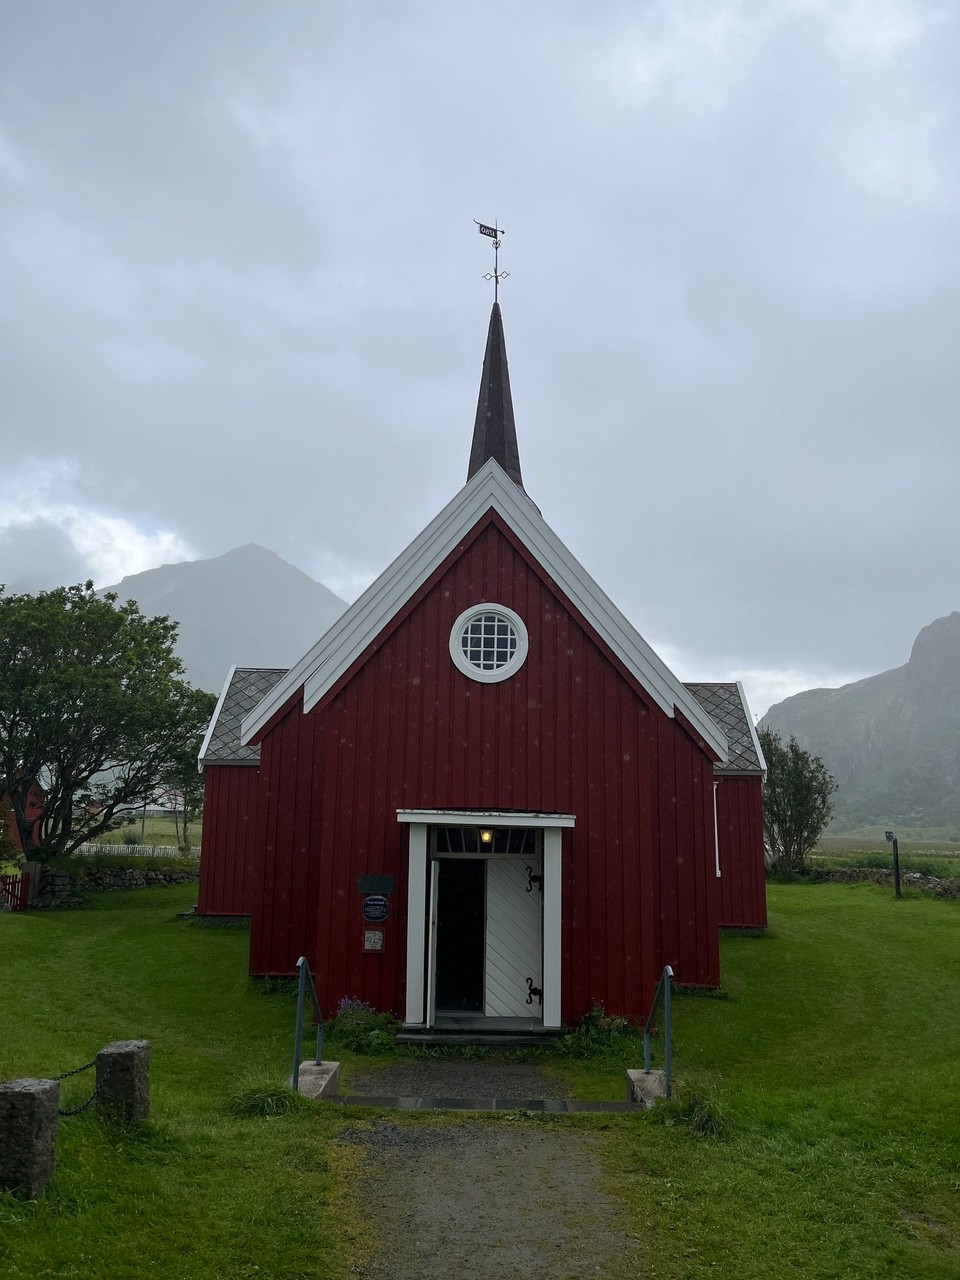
(892, 839)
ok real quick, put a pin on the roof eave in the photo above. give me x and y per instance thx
(204, 745)
(753, 731)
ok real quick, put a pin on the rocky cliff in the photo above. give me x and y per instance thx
(892, 741)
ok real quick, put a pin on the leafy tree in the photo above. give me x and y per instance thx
(184, 784)
(92, 708)
(797, 801)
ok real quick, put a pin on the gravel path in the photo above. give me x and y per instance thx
(455, 1078)
(506, 1199)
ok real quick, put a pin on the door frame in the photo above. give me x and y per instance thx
(421, 910)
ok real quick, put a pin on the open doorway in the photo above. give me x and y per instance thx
(461, 924)
(486, 953)
(509, 911)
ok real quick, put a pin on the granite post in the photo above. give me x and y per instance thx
(28, 1135)
(34, 872)
(123, 1080)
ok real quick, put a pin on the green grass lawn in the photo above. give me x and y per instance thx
(836, 1062)
(196, 1193)
(936, 857)
(832, 1065)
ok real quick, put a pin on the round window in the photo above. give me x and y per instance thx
(488, 642)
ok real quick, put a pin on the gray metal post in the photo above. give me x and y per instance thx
(891, 839)
(301, 991)
(123, 1080)
(28, 1135)
(667, 1031)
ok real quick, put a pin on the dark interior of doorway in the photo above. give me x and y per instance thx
(461, 909)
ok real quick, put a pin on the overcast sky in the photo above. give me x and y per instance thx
(242, 299)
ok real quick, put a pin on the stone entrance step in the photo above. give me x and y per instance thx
(460, 1085)
(554, 1106)
(492, 1040)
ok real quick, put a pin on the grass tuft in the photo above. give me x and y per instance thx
(697, 1110)
(265, 1100)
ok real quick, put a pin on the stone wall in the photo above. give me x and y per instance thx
(938, 888)
(61, 890)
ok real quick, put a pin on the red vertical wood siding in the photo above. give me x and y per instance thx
(743, 881)
(228, 842)
(685, 884)
(571, 732)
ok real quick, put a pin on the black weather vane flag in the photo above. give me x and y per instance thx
(496, 275)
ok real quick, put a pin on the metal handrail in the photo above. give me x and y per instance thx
(663, 988)
(304, 979)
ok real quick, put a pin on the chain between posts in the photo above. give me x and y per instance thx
(75, 1111)
(75, 1072)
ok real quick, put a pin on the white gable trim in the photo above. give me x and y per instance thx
(753, 730)
(490, 489)
(214, 718)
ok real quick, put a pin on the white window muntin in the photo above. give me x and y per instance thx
(489, 642)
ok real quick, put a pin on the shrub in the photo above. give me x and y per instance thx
(358, 1026)
(599, 1033)
(131, 839)
(797, 802)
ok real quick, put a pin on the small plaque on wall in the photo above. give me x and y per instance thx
(375, 908)
(373, 939)
(375, 884)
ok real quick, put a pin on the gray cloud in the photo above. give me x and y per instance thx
(243, 297)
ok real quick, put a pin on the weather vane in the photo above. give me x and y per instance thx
(496, 275)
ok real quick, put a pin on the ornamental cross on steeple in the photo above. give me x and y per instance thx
(496, 275)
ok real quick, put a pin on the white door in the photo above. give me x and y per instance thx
(512, 974)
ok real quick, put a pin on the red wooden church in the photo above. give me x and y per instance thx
(481, 799)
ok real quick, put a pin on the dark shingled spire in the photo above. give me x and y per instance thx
(495, 432)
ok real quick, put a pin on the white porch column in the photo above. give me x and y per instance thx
(416, 922)
(552, 890)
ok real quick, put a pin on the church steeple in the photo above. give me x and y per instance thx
(494, 431)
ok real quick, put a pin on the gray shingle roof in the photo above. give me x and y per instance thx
(248, 687)
(723, 704)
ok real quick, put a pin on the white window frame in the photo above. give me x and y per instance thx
(462, 663)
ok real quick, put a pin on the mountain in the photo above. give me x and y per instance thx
(892, 741)
(247, 607)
